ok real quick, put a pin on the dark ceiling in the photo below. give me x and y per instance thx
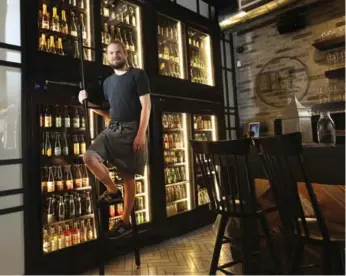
(224, 5)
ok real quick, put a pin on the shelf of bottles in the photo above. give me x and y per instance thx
(204, 129)
(141, 205)
(121, 21)
(170, 47)
(58, 27)
(200, 57)
(176, 163)
(68, 211)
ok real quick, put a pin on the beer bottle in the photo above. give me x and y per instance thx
(64, 145)
(75, 119)
(51, 181)
(78, 203)
(59, 179)
(50, 211)
(76, 147)
(45, 17)
(78, 182)
(48, 146)
(166, 141)
(85, 176)
(90, 232)
(69, 178)
(82, 144)
(44, 179)
(63, 23)
(57, 145)
(67, 119)
(58, 120)
(47, 118)
(43, 149)
(72, 207)
(61, 208)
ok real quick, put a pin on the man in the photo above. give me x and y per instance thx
(123, 143)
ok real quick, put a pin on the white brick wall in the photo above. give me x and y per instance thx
(265, 43)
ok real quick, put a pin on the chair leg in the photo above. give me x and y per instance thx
(297, 255)
(135, 233)
(269, 239)
(218, 245)
(327, 260)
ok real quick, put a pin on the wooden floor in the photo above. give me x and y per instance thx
(189, 254)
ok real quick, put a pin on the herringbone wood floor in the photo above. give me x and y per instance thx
(185, 255)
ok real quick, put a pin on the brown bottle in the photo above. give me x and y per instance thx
(76, 147)
(78, 180)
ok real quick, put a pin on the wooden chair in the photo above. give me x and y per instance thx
(281, 157)
(226, 173)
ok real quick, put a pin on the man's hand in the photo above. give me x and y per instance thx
(139, 143)
(82, 96)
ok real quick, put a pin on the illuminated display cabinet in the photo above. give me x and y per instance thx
(184, 187)
(200, 57)
(58, 27)
(121, 20)
(170, 53)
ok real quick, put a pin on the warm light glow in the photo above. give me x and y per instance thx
(139, 38)
(214, 128)
(146, 189)
(209, 61)
(89, 29)
(180, 45)
(187, 167)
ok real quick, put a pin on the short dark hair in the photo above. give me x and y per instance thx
(117, 42)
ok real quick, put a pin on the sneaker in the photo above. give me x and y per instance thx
(110, 198)
(120, 229)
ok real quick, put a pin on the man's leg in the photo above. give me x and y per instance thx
(99, 170)
(129, 198)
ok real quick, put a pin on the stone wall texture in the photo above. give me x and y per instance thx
(265, 43)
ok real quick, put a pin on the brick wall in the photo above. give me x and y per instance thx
(265, 43)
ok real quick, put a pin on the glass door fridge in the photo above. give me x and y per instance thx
(58, 27)
(170, 49)
(176, 162)
(121, 20)
(68, 210)
(141, 205)
(200, 57)
(204, 129)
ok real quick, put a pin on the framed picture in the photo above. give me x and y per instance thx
(255, 128)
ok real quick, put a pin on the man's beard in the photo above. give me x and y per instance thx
(118, 65)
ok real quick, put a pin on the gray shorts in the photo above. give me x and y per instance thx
(115, 145)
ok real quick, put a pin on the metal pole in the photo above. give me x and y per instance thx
(101, 242)
(82, 83)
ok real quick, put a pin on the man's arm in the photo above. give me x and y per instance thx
(145, 114)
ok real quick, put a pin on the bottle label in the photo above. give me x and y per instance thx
(44, 186)
(61, 243)
(50, 186)
(47, 121)
(76, 148)
(76, 122)
(57, 151)
(67, 122)
(65, 151)
(58, 122)
(49, 152)
(78, 183)
(46, 247)
(50, 218)
(69, 184)
(85, 181)
(82, 147)
(60, 185)
(68, 240)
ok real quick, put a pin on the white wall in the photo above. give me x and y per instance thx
(11, 222)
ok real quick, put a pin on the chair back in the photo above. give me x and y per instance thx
(281, 158)
(226, 174)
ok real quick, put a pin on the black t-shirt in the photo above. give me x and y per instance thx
(123, 92)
